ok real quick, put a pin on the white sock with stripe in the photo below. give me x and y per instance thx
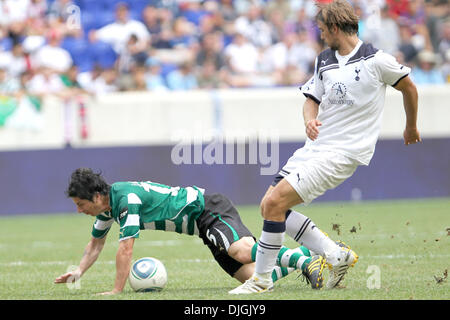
(304, 231)
(269, 245)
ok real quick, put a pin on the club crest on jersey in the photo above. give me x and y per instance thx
(357, 71)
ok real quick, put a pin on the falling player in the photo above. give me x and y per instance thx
(345, 99)
(148, 205)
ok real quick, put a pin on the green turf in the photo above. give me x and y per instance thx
(407, 241)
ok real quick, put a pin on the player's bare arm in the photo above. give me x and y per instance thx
(124, 257)
(91, 253)
(410, 102)
(310, 112)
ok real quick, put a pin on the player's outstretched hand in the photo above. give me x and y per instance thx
(312, 130)
(411, 136)
(108, 293)
(68, 277)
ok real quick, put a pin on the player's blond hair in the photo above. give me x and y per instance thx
(338, 13)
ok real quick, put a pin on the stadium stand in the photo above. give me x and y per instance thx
(418, 30)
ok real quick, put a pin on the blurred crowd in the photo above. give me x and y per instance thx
(66, 47)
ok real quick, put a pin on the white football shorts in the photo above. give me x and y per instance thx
(312, 172)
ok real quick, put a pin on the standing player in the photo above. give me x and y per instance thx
(148, 205)
(345, 99)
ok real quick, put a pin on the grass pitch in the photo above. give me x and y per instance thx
(403, 244)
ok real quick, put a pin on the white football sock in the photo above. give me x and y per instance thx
(304, 231)
(269, 245)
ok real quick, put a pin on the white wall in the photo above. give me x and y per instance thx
(164, 118)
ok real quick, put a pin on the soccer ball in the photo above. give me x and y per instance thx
(147, 274)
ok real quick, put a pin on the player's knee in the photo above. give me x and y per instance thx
(261, 207)
(261, 204)
(273, 208)
(241, 250)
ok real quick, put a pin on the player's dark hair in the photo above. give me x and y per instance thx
(84, 184)
(338, 13)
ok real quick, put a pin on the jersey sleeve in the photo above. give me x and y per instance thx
(313, 88)
(388, 69)
(101, 226)
(129, 217)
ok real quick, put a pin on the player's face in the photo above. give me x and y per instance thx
(91, 208)
(328, 36)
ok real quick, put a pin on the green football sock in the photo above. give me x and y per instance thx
(280, 272)
(287, 258)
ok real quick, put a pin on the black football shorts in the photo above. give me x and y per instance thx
(220, 226)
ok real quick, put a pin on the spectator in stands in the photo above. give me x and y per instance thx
(87, 79)
(153, 78)
(52, 55)
(302, 55)
(426, 72)
(183, 34)
(446, 67)
(118, 32)
(14, 61)
(241, 55)
(36, 15)
(18, 108)
(133, 54)
(377, 30)
(138, 78)
(211, 23)
(303, 23)
(46, 81)
(182, 78)
(181, 40)
(163, 41)
(193, 11)
(9, 85)
(398, 8)
(209, 77)
(289, 60)
(415, 18)
(444, 42)
(279, 26)
(281, 7)
(13, 17)
(70, 79)
(212, 50)
(158, 22)
(254, 27)
(243, 62)
(152, 21)
(106, 82)
(228, 11)
(407, 46)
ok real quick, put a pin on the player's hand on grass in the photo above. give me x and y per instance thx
(108, 293)
(68, 277)
(411, 136)
(312, 130)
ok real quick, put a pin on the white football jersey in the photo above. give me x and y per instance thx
(350, 91)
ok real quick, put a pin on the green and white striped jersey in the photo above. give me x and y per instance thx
(148, 205)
